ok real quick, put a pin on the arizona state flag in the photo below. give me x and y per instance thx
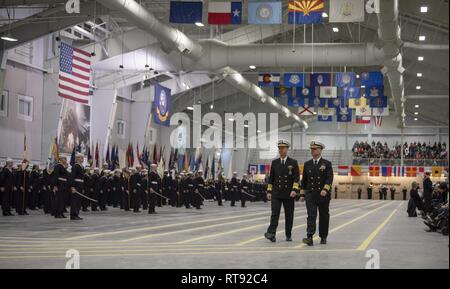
(305, 11)
(374, 171)
(436, 171)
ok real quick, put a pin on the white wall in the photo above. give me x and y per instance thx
(29, 82)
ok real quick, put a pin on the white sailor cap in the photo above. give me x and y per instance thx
(316, 145)
(9, 160)
(154, 165)
(79, 155)
(283, 143)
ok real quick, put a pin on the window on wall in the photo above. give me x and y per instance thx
(121, 128)
(4, 103)
(25, 107)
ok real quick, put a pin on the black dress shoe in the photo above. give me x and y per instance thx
(308, 241)
(270, 237)
(323, 241)
(288, 239)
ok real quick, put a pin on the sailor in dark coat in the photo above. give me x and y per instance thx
(316, 184)
(7, 184)
(282, 190)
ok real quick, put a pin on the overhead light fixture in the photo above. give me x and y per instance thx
(422, 38)
(324, 15)
(423, 9)
(252, 67)
(357, 76)
(231, 119)
(418, 87)
(420, 58)
(416, 113)
(419, 74)
(416, 119)
(9, 38)
(199, 24)
(416, 106)
(211, 106)
(335, 29)
(190, 108)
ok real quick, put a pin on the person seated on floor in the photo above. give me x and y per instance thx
(437, 220)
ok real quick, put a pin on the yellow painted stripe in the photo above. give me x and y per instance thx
(236, 230)
(163, 226)
(349, 223)
(299, 226)
(372, 236)
(226, 252)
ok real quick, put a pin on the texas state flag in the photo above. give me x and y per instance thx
(224, 12)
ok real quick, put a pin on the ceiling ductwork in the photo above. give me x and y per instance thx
(145, 20)
(213, 55)
(389, 35)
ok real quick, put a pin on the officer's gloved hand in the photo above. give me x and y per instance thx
(269, 196)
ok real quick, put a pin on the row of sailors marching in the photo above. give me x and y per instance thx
(130, 189)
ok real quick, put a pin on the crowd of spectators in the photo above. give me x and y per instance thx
(412, 151)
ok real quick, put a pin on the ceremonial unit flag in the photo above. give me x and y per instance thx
(374, 171)
(294, 80)
(269, 80)
(374, 78)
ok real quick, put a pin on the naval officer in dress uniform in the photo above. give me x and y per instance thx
(316, 184)
(282, 189)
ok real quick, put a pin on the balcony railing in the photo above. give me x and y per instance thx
(398, 162)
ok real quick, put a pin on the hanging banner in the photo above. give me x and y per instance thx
(161, 104)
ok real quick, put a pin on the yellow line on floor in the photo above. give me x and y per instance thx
(227, 252)
(238, 230)
(372, 236)
(349, 223)
(303, 225)
(192, 229)
(195, 229)
(163, 226)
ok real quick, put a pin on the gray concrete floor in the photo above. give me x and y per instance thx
(222, 237)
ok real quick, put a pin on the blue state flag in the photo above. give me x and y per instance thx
(325, 118)
(266, 12)
(186, 12)
(282, 91)
(351, 92)
(378, 102)
(345, 79)
(373, 78)
(306, 96)
(334, 102)
(344, 114)
(374, 91)
(294, 80)
(161, 104)
(320, 79)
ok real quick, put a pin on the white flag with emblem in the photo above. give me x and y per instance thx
(347, 11)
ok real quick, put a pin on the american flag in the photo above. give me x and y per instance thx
(74, 74)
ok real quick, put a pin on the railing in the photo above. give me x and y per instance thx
(398, 162)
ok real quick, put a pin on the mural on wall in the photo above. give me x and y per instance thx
(75, 127)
